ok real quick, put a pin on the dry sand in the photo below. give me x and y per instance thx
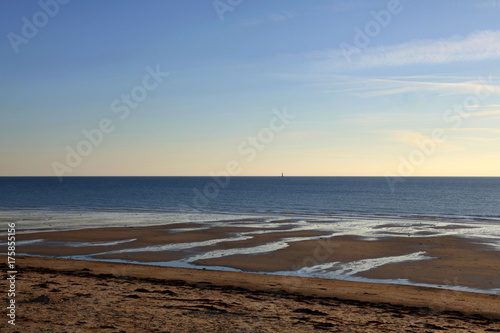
(60, 295)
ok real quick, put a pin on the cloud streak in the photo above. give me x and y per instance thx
(477, 129)
(413, 137)
(382, 86)
(483, 45)
(485, 111)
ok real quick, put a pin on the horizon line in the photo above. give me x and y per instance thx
(215, 176)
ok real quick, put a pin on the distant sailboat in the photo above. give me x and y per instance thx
(282, 174)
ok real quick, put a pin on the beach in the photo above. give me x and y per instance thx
(251, 275)
(61, 295)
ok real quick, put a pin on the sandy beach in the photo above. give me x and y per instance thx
(248, 279)
(61, 295)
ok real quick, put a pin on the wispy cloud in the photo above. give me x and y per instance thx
(471, 134)
(271, 18)
(414, 138)
(483, 45)
(475, 139)
(391, 85)
(476, 129)
(383, 118)
(372, 87)
(485, 111)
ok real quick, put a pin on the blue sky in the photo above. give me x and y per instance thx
(425, 67)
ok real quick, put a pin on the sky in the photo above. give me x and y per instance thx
(393, 88)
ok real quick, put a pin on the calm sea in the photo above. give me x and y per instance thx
(458, 198)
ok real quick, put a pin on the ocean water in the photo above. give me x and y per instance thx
(451, 198)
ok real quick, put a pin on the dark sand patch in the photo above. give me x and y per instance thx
(145, 256)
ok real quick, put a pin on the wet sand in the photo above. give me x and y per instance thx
(454, 261)
(436, 260)
(60, 295)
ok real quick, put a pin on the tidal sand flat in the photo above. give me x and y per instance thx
(415, 253)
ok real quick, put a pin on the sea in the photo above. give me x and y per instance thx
(451, 198)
